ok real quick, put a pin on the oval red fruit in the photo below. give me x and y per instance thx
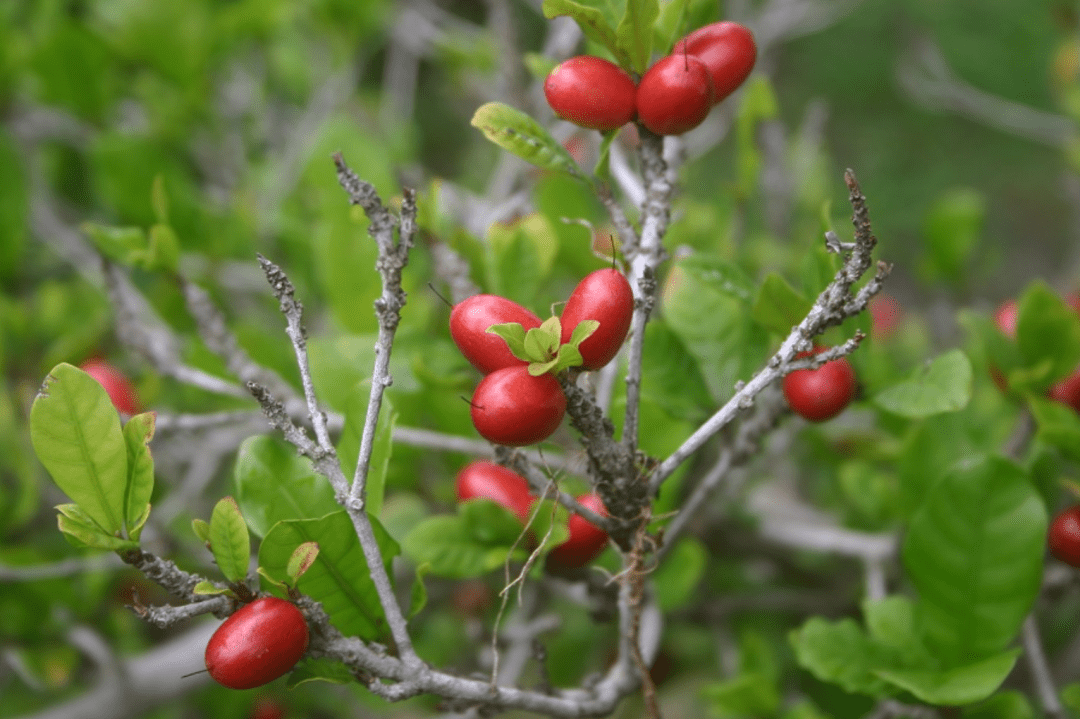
(822, 393)
(674, 95)
(260, 642)
(1005, 318)
(728, 51)
(591, 92)
(586, 540)
(1063, 539)
(469, 321)
(117, 385)
(513, 408)
(604, 296)
(499, 484)
(1067, 391)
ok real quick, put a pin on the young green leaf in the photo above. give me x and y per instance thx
(944, 385)
(1047, 334)
(229, 540)
(541, 343)
(592, 23)
(138, 432)
(301, 560)
(123, 245)
(602, 171)
(418, 594)
(583, 331)
(514, 336)
(76, 434)
(779, 306)
(208, 589)
(633, 36)
(81, 531)
(163, 252)
(671, 24)
(201, 529)
(135, 528)
(518, 133)
(281, 586)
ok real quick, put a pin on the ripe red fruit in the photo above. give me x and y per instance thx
(674, 95)
(1005, 318)
(586, 540)
(885, 313)
(728, 51)
(1067, 391)
(499, 484)
(1064, 536)
(604, 296)
(121, 391)
(260, 642)
(469, 321)
(591, 92)
(513, 408)
(822, 393)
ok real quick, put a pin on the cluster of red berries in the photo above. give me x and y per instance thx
(511, 405)
(1066, 390)
(510, 490)
(674, 95)
(822, 393)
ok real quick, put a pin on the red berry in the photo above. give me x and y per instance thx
(120, 390)
(1064, 536)
(513, 408)
(1005, 318)
(267, 708)
(260, 642)
(1067, 391)
(604, 296)
(499, 484)
(586, 540)
(469, 321)
(591, 92)
(728, 51)
(885, 314)
(822, 393)
(674, 95)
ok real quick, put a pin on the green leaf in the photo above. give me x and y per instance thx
(448, 544)
(1047, 334)
(842, 654)
(301, 560)
(159, 199)
(538, 65)
(418, 594)
(280, 586)
(519, 255)
(952, 228)
(758, 104)
(541, 343)
(163, 252)
(14, 206)
(320, 670)
(676, 578)
(138, 432)
(956, 686)
(229, 540)
(567, 356)
(974, 552)
(583, 331)
(201, 528)
(82, 532)
(273, 483)
(1059, 425)
(514, 336)
(208, 589)
(779, 306)
(339, 578)
(1002, 705)
(671, 24)
(706, 304)
(124, 245)
(518, 133)
(944, 385)
(635, 33)
(602, 171)
(892, 622)
(671, 376)
(592, 23)
(76, 434)
(490, 523)
(747, 696)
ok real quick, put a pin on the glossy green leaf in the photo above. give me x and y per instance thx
(602, 171)
(671, 24)
(706, 304)
(542, 342)
(592, 23)
(743, 697)
(229, 540)
(517, 132)
(138, 432)
(943, 385)
(205, 588)
(81, 531)
(1059, 425)
(583, 331)
(1002, 705)
(319, 670)
(892, 621)
(634, 34)
(1047, 334)
(956, 686)
(301, 560)
(490, 523)
(841, 653)
(680, 573)
(974, 552)
(339, 578)
(779, 306)
(76, 434)
(448, 544)
(273, 483)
